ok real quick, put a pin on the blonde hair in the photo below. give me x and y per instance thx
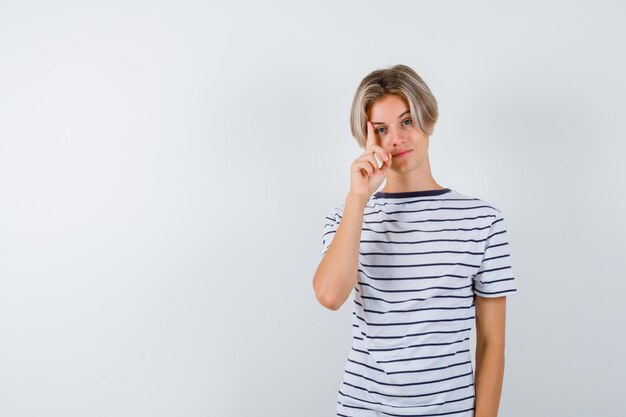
(400, 80)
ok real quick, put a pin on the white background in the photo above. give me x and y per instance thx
(165, 170)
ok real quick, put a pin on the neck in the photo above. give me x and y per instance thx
(418, 179)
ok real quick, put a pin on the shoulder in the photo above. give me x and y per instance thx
(483, 205)
(337, 210)
(335, 214)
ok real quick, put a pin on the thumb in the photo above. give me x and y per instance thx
(385, 166)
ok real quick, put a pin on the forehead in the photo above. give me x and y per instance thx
(387, 108)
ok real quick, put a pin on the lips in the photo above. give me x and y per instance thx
(402, 152)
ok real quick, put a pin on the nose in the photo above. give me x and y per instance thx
(395, 137)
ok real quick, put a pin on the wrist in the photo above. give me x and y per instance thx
(358, 199)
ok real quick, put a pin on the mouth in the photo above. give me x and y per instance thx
(400, 154)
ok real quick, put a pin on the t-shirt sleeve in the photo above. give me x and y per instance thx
(495, 276)
(331, 222)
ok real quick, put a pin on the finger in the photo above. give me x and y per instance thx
(366, 166)
(378, 150)
(371, 135)
(372, 159)
(371, 169)
(385, 167)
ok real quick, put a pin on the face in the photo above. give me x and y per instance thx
(395, 132)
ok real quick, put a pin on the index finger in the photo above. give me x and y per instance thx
(371, 136)
(371, 143)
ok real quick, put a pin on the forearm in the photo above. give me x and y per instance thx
(488, 378)
(338, 270)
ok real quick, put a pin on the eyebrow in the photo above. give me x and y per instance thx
(381, 123)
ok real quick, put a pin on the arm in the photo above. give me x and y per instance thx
(490, 334)
(338, 270)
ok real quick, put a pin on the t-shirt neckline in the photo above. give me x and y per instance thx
(407, 194)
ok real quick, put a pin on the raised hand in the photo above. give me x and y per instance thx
(365, 173)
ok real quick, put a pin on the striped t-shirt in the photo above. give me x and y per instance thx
(423, 257)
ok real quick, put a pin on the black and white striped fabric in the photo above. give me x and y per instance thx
(424, 256)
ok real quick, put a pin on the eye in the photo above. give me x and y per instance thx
(407, 120)
(378, 130)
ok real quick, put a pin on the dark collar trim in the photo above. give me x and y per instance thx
(408, 194)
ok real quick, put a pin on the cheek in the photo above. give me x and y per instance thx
(384, 143)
